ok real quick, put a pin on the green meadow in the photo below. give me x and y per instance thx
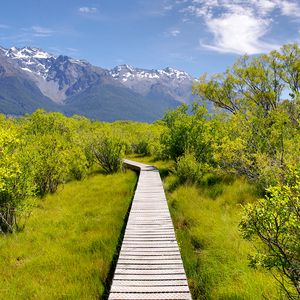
(69, 244)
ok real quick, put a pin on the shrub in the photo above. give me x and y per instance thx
(188, 169)
(51, 160)
(275, 220)
(78, 163)
(108, 152)
(142, 147)
(16, 182)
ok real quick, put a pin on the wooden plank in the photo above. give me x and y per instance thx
(133, 283)
(130, 257)
(158, 261)
(148, 253)
(149, 289)
(156, 272)
(151, 277)
(147, 267)
(151, 296)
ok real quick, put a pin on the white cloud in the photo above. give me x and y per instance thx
(288, 8)
(240, 26)
(174, 32)
(87, 10)
(238, 33)
(39, 31)
(168, 7)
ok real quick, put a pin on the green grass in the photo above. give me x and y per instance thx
(214, 254)
(67, 248)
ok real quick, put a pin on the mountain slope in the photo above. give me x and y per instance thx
(31, 78)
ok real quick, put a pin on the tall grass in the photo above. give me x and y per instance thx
(67, 247)
(214, 254)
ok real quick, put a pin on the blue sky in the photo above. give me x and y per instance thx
(196, 36)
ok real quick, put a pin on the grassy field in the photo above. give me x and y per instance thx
(214, 254)
(68, 245)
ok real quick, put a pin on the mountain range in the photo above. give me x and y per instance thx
(32, 78)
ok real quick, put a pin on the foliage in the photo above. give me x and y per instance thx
(259, 136)
(51, 161)
(16, 182)
(186, 132)
(108, 152)
(275, 220)
(188, 169)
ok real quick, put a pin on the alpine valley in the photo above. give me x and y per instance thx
(31, 78)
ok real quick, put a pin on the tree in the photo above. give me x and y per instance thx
(261, 127)
(275, 220)
(187, 133)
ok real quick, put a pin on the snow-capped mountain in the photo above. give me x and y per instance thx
(176, 83)
(32, 60)
(76, 86)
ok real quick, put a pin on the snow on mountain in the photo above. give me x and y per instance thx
(61, 77)
(175, 83)
(127, 72)
(57, 77)
(33, 59)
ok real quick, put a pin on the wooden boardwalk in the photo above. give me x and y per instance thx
(149, 264)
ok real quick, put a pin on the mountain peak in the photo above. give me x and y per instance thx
(27, 53)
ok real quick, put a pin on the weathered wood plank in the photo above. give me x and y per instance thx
(156, 272)
(133, 283)
(151, 296)
(149, 277)
(149, 289)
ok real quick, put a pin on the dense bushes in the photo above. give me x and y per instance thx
(41, 151)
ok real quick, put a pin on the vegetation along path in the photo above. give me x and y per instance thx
(149, 265)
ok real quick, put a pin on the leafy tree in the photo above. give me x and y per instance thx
(258, 137)
(275, 220)
(187, 133)
(16, 182)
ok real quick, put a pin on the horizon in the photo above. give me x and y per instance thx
(195, 36)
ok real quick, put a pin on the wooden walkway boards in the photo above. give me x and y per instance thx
(149, 264)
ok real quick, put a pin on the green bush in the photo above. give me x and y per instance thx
(275, 220)
(108, 152)
(142, 147)
(16, 179)
(188, 169)
(51, 162)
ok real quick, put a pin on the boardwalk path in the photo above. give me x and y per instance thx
(149, 265)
